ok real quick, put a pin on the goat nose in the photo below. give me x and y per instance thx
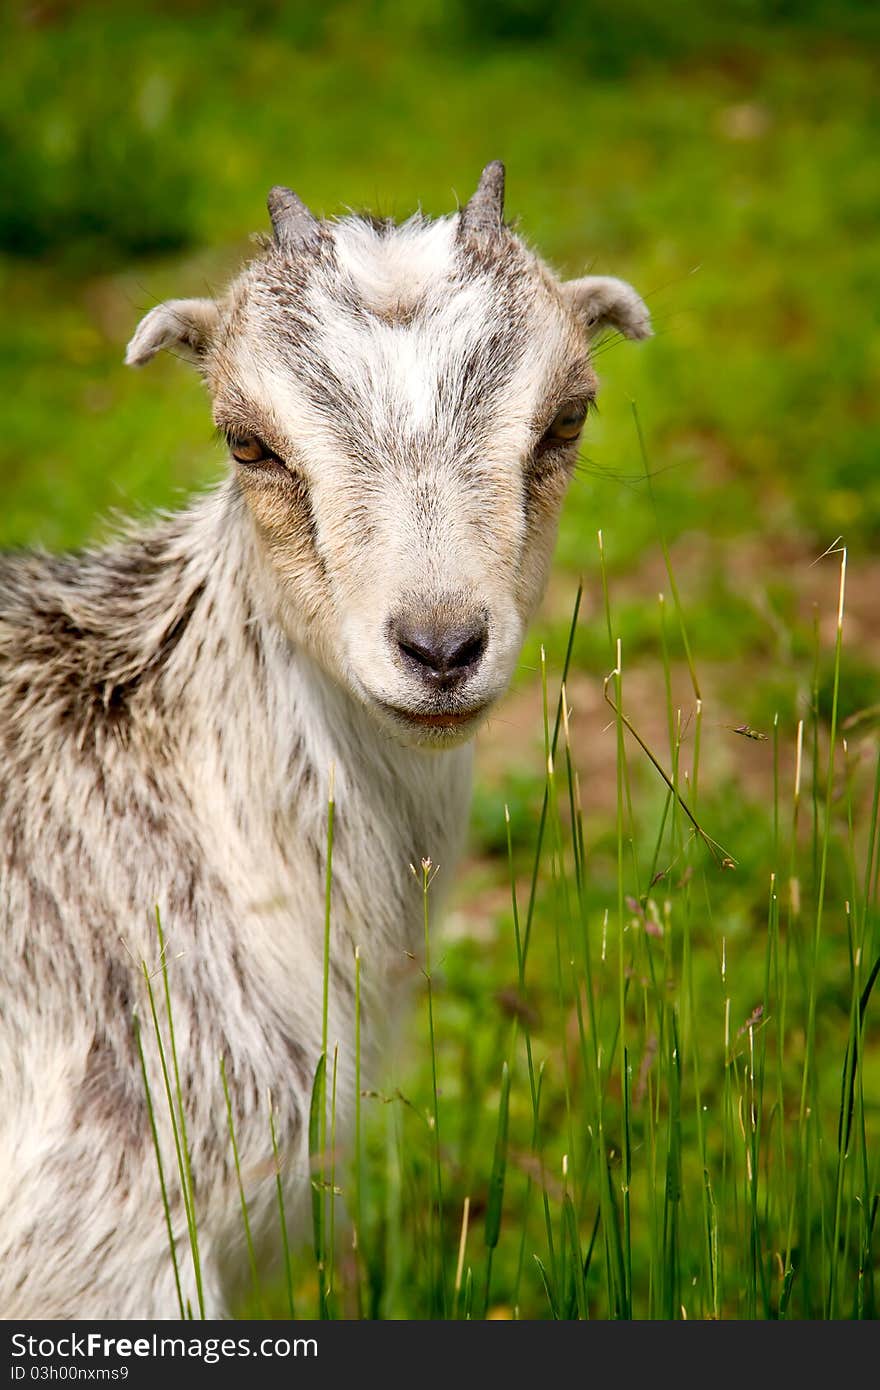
(442, 656)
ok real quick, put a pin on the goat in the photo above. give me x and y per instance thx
(402, 405)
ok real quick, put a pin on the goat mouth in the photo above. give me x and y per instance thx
(451, 719)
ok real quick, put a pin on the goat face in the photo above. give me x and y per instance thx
(403, 406)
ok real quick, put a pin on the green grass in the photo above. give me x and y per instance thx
(702, 1130)
(687, 1118)
(654, 1144)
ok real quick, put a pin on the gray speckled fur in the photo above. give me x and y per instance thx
(171, 706)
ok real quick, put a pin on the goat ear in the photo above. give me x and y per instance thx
(601, 301)
(185, 326)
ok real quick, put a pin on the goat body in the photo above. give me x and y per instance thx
(402, 406)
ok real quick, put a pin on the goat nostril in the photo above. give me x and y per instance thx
(441, 655)
(470, 650)
(420, 652)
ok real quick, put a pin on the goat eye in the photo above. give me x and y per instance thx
(250, 449)
(568, 422)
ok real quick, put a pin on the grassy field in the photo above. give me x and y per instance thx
(688, 1121)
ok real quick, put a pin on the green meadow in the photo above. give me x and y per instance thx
(642, 1074)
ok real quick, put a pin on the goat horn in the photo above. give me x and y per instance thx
(292, 222)
(483, 216)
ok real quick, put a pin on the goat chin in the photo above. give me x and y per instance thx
(177, 712)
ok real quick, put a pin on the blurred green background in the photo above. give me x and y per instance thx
(723, 158)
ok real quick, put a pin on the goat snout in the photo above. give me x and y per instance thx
(441, 654)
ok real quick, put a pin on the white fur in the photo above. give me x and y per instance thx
(171, 709)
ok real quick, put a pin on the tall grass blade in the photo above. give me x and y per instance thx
(252, 1258)
(175, 1112)
(316, 1163)
(282, 1215)
(495, 1198)
(158, 1152)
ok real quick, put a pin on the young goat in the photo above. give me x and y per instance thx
(403, 406)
